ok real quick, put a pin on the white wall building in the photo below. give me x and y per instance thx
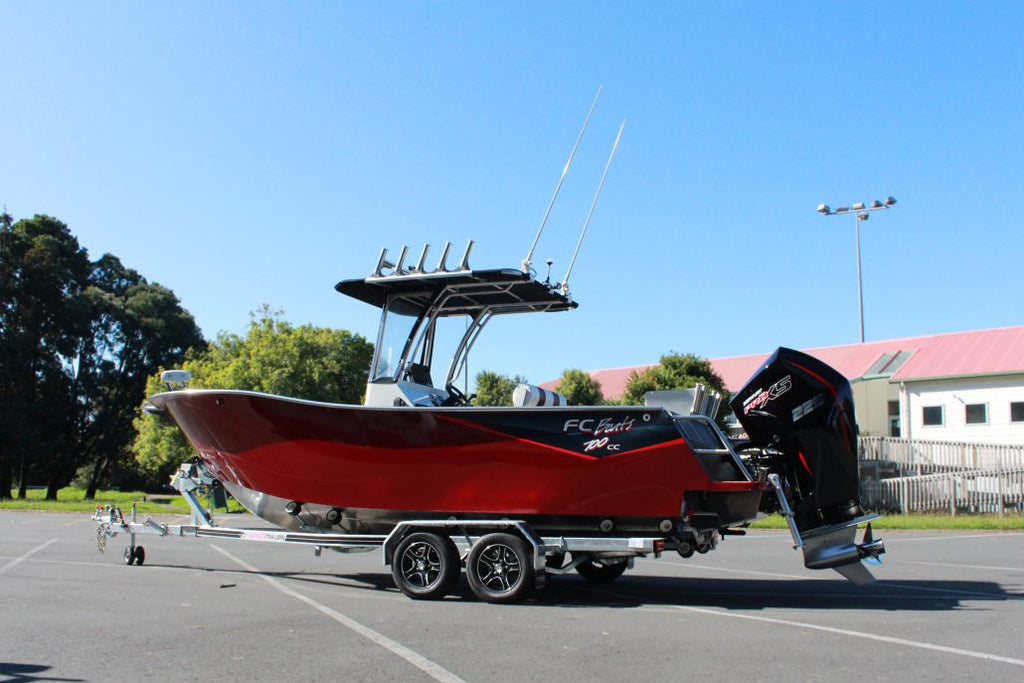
(961, 386)
(980, 409)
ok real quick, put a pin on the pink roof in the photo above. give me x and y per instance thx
(984, 352)
(981, 352)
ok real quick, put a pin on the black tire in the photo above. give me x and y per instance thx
(500, 568)
(601, 571)
(425, 566)
(129, 556)
(140, 555)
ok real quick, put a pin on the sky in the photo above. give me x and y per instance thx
(250, 153)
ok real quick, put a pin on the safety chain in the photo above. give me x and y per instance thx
(107, 516)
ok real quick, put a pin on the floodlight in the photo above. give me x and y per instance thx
(862, 212)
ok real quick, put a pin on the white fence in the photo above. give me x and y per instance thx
(900, 475)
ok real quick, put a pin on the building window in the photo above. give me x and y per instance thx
(932, 416)
(1017, 411)
(894, 418)
(976, 413)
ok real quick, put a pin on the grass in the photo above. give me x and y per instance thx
(964, 522)
(73, 500)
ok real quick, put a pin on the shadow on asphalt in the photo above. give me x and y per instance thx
(725, 593)
(19, 673)
(754, 594)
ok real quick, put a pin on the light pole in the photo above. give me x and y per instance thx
(860, 213)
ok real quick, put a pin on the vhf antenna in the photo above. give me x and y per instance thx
(528, 261)
(593, 204)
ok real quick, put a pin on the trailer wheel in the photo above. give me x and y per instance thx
(599, 571)
(500, 568)
(140, 555)
(129, 556)
(425, 566)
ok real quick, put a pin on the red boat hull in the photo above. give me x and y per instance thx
(522, 462)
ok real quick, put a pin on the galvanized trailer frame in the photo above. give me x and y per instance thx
(505, 559)
(531, 557)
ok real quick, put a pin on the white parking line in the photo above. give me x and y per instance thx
(858, 634)
(15, 562)
(435, 671)
(949, 537)
(963, 566)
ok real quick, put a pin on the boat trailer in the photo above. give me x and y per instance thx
(505, 560)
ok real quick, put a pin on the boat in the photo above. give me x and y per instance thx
(418, 450)
(514, 493)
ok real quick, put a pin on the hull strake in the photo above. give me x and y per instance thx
(557, 462)
(737, 505)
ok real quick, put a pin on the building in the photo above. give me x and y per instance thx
(962, 386)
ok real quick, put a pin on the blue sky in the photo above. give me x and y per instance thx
(251, 153)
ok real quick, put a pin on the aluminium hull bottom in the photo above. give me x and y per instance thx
(717, 508)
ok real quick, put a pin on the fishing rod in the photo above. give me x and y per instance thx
(590, 213)
(528, 261)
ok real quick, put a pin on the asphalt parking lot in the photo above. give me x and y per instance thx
(947, 606)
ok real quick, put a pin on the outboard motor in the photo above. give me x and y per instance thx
(800, 411)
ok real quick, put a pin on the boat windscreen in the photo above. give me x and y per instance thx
(396, 327)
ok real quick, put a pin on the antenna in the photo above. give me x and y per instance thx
(593, 204)
(527, 262)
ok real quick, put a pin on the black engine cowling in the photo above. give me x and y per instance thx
(801, 412)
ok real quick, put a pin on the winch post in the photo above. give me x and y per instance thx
(187, 481)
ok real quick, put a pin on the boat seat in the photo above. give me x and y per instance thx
(419, 374)
(530, 396)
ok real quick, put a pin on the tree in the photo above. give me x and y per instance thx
(674, 371)
(274, 357)
(77, 341)
(137, 327)
(493, 389)
(43, 274)
(579, 388)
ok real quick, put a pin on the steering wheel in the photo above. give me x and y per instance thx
(456, 397)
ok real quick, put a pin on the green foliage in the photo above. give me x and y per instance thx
(314, 363)
(961, 522)
(137, 328)
(579, 388)
(43, 272)
(159, 445)
(675, 371)
(493, 389)
(77, 340)
(74, 499)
